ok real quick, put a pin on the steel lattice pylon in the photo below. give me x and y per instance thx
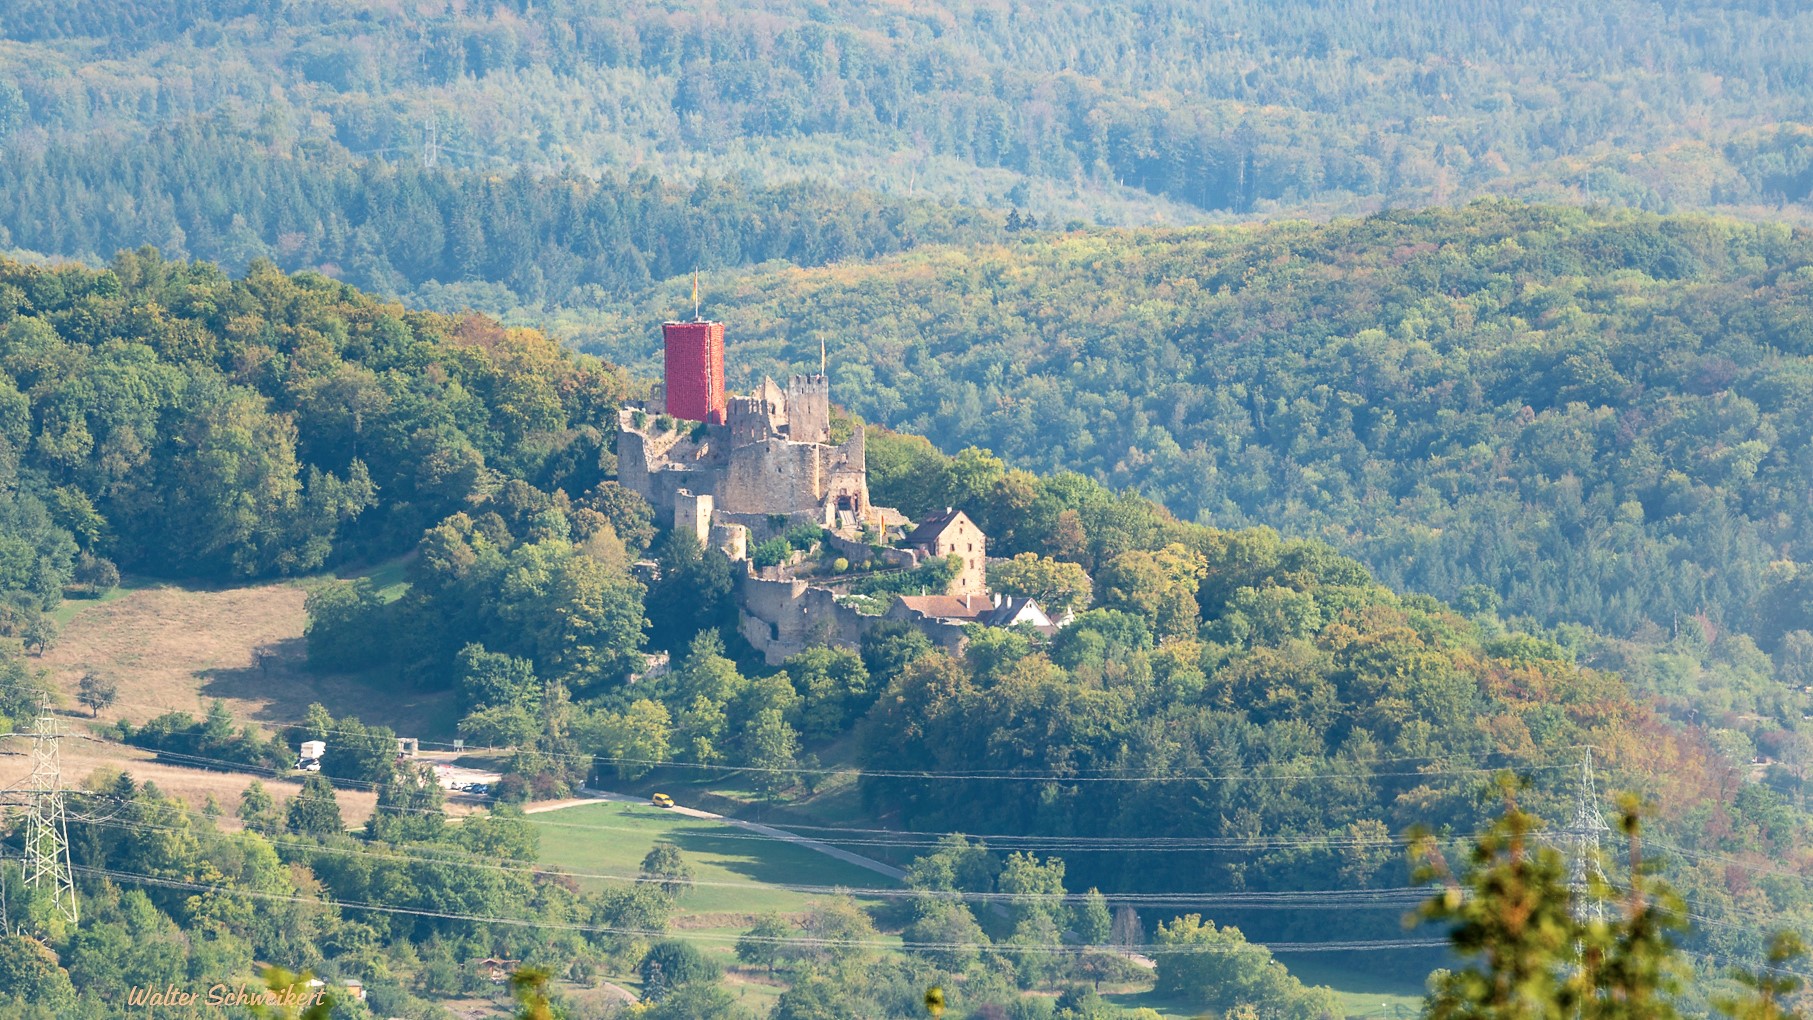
(1582, 839)
(46, 826)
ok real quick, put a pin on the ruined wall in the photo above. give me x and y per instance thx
(948, 637)
(657, 466)
(731, 539)
(752, 420)
(632, 458)
(776, 476)
(782, 618)
(886, 558)
(847, 475)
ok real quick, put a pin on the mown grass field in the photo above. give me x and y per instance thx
(612, 839)
(738, 874)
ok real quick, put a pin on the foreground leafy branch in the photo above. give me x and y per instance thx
(1539, 952)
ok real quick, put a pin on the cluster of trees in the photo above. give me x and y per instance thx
(218, 737)
(1021, 940)
(165, 417)
(525, 585)
(170, 897)
(1282, 702)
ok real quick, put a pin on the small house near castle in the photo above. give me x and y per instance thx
(952, 533)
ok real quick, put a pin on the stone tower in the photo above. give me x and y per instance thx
(809, 409)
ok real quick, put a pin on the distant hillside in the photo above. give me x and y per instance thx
(1603, 417)
(1239, 107)
(227, 129)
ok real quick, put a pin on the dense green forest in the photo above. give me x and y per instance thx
(454, 238)
(1247, 106)
(500, 155)
(1592, 418)
(160, 417)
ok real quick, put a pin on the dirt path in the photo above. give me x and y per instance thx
(767, 830)
(82, 755)
(619, 991)
(556, 805)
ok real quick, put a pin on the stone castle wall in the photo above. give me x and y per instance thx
(773, 476)
(782, 618)
(777, 476)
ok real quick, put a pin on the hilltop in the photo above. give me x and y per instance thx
(1584, 417)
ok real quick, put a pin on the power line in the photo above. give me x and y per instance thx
(1276, 947)
(1131, 844)
(1296, 899)
(268, 771)
(1278, 772)
(897, 838)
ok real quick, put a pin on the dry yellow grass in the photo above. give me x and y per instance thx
(177, 649)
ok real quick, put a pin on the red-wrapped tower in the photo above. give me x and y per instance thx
(695, 370)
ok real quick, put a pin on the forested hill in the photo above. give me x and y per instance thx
(1282, 715)
(182, 423)
(1601, 416)
(1144, 111)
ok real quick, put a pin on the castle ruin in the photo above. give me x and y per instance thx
(738, 470)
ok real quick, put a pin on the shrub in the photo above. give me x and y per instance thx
(96, 574)
(771, 553)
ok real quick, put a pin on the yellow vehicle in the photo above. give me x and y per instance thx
(661, 800)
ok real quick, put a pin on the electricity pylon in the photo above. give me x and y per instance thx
(1584, 872)
(46, 826)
